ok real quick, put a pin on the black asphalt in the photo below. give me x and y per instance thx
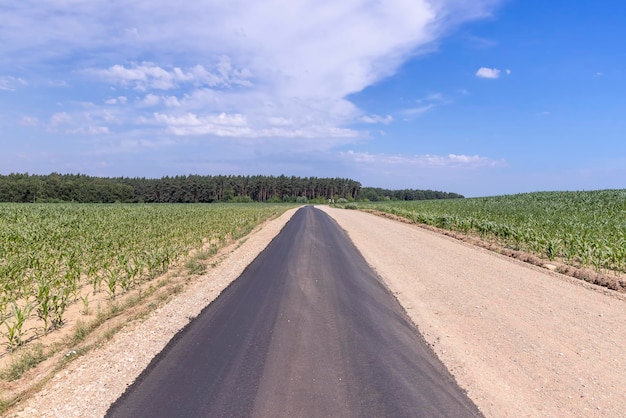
(308, 330)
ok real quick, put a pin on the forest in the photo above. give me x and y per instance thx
(375, 194)
(28, 188)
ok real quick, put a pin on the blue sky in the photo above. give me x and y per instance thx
(478, 97)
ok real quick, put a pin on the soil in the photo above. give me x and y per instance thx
(520, 339)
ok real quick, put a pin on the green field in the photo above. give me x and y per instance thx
(585, 229)
(49, 253)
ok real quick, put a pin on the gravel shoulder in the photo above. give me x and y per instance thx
(521, 340)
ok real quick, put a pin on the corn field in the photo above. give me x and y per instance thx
(586, 229)
(49, 253)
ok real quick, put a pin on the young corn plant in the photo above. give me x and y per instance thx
(59, 303)
(124, 274)
(94, 277)
(44, 303)
(552, 248)
(15, 326)
(85, 301)
(111, 281)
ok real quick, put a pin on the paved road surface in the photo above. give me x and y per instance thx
(307, 330)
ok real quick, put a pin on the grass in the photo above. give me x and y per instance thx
(26, 360)
(195, 267)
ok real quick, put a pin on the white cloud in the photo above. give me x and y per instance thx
(90, 122)
(419, 110)
(485, 72)
(58, 83)
(117, 100)
(275, 76)
(29, 121)
(193, 120)
(433, 97)
(278, 121)
(218, 125)
(423, 161)
(110, 117)
(142, 76)
(481, 43)
(90, 130)
(426, 104)
(377, 119)
(469, 160)
(236, 125)
(171, 101)
(59, 119)
(10, 83)
(151, 100)
(148, 75)
(242, 56)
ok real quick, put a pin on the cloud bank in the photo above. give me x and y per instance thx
(270, 75)
(423, 161)
(264, 61)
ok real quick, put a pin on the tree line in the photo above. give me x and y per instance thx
(178, 189)
(376, 194)
(81, 188)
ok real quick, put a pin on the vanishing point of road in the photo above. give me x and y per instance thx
(307, 330)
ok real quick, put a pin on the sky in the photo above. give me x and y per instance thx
(477, 97)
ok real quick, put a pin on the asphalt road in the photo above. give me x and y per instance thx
(307, 330)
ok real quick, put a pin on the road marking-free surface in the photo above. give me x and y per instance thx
(307, 330)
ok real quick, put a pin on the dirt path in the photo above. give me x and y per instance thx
(522, 341)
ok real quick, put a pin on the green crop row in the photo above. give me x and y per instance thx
(585, 229)
(50, 252)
